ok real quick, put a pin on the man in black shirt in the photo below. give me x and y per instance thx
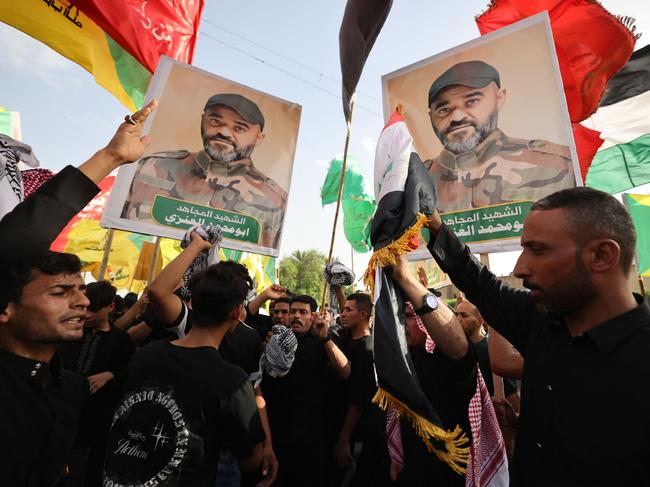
(296, 401)
(101, 356)
(241, 346)
(363, 423)
(42, 303)
(447, 377)
(183, 401)
(584, 337)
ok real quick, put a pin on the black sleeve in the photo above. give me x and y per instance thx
(34, 224)
(241, 421)
(508, 310)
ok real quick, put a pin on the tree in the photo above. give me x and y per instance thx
(302, 272)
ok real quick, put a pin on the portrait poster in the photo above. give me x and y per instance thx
(221, 153)
(490, 121)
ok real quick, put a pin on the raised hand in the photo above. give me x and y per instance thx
(199, 243)
(128, 144)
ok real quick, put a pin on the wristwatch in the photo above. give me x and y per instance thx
(429, 304)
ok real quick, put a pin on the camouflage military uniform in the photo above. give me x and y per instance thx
(235, 186)
(499, 170)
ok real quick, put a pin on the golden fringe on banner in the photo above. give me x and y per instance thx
(386, 256)
(456, 455)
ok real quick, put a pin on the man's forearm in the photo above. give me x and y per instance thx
(255, 305)
(100, 165)
(337, 360)
(127, 319)
(340, 296)
(352, 416)
(264, 418)
(34, 224)
(504, 358)
(167, 281)
(441, 324)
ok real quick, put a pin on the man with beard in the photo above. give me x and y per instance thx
(582, 333)
(221, 176)
(480, 165)
(296, 402)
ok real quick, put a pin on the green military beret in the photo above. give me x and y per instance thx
(248, 110)
(475, 74)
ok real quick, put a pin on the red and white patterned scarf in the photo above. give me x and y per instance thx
(488, 464)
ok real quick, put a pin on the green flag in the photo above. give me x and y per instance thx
(639, 207)
(357, 201)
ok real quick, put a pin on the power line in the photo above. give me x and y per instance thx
(283, 56)
(288, 73)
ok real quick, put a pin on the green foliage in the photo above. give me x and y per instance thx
(302, 272)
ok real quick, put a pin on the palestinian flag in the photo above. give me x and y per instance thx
(405, 195)
(639, 207)
(623, 120)
(591, 46)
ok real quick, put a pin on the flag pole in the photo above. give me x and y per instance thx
(107, 252)
(154, 261)
(641, 286)
(338, 200)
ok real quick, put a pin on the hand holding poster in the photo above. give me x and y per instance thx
(489, 120)
(199, 168)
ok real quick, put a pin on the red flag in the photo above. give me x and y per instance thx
(148, 29)
(587, 143)
(591, 44)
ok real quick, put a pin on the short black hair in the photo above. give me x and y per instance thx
(303, 298)
(16, 276)
(283, 299)
(130, 299)
(216, 291)
(363, 301)
(100, 294)
(594, 214)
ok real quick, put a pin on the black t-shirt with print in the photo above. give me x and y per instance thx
(181, 405)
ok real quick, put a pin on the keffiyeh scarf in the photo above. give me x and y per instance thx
(280, 352)
(336, 274)
(212, 234)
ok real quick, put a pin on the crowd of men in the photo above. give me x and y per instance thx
(172, 391)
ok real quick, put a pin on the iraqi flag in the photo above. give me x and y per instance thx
(405, 195)
(623, 120)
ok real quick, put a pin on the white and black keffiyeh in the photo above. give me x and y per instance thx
(336, 274)
(212, 234)
(278, 357)
(11, 183)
